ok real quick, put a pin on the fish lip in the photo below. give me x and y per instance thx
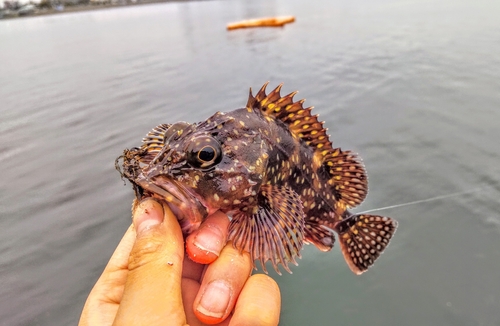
(189, 208)
(169, 196)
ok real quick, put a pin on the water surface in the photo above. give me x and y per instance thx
(413, 86)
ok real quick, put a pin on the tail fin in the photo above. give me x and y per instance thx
(363, 238)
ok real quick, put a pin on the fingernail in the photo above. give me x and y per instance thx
(215, 299)
(209, 238)
(148, 214)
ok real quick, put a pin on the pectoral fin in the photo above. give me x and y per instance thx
(275, 231)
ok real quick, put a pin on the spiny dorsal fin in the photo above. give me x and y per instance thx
(348, 176)
(347, 173)
(299, 119)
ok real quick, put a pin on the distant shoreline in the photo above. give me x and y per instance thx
(83, 7)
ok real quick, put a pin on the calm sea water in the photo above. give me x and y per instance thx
(413, 86)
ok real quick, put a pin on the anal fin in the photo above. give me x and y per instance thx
(319, 236)
(363, 238)
(274, 232)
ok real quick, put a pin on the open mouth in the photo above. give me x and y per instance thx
(187, 206)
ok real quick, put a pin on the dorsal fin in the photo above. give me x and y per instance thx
(346, 171)
(347, 176)
(299, 119)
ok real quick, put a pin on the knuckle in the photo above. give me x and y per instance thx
(239, 261)
(145, 251)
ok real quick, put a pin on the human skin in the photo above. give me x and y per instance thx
(150, 280)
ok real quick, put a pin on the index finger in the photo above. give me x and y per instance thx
(205, 244)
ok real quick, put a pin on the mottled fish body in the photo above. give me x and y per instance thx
(272, 167)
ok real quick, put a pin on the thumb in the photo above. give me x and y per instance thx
(152, 294)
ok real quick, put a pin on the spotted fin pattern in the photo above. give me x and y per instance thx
(347, 172)
(274, 232)
(348, 177)
(363, 238)
(319, 236)
(299, 119)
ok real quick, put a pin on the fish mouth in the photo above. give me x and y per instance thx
(189, 208)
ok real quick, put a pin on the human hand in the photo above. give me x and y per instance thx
(148, 280)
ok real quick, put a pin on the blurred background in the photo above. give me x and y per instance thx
(413, 86)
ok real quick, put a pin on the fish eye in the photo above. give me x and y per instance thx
(204, 152)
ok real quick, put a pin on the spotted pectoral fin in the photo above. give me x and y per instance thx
(347, 176)
(274, 232)
(363, 238)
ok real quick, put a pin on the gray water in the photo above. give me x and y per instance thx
(413, 86)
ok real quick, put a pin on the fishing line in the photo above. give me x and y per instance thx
(428, 199)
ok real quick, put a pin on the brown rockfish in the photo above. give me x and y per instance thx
(272, 168)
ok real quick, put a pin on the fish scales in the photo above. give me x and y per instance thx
(272, 167)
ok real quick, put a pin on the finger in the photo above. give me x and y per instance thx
(152, 294)
(189, 289)
(205, 244)
(259, 303)
(221, 285)
(192, 270)
(101, 305)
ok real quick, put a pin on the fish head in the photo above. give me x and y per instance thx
(199, 168)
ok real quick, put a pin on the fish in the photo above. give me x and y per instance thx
(273, 169)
